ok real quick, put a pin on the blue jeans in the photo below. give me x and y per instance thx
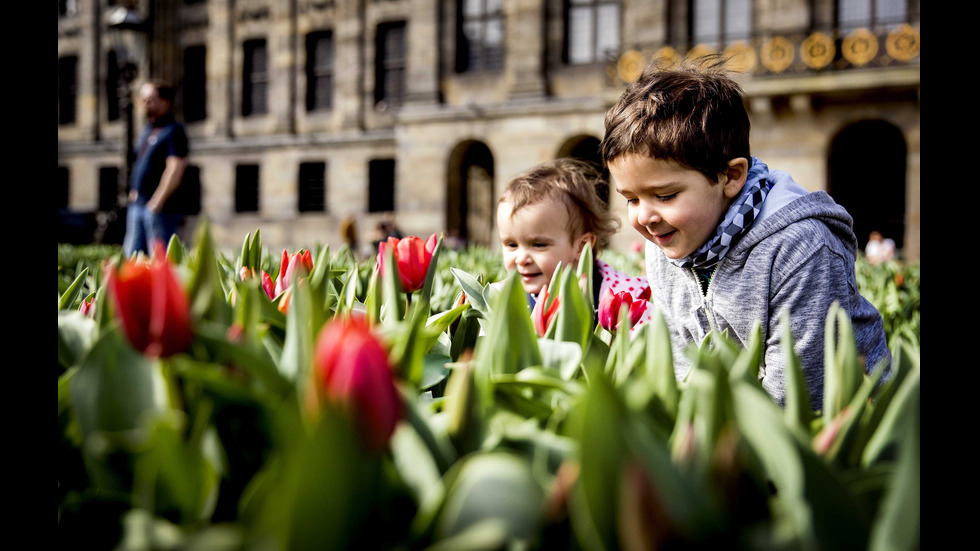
(143, 227)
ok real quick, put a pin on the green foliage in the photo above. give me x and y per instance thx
(575, 440)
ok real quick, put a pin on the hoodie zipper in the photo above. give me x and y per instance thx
(704, 293)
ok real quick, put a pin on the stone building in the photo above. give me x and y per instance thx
(304, 112)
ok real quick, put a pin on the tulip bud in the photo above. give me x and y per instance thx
(412, 256)
(268, 286)
(352, 371)
(289, 265)
(244, 273)
(87, 308)
(542, 317)
(152, 306)
(611, 303)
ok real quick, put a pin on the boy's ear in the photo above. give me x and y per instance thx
(735, 176)
(587, 237)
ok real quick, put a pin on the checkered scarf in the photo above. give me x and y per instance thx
(738, 219)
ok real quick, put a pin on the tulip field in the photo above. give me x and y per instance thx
(264, 399)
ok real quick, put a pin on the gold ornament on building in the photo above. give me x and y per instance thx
(903, 43)
(777, 54)
(860, 47)
(817, 50)
(741, 57)
(667, 56)
(700, 50)
(630, 65)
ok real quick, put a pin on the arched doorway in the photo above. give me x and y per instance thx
(866, 175)
(586, 148)
(469, 195)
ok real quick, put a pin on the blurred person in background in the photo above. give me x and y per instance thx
(879, 249)
(161, 159)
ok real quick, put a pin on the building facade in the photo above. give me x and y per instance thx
(304, 112)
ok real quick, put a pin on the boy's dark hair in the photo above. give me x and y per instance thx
(576, 184)
(692, 114)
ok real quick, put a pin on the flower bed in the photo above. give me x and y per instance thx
(369, 406)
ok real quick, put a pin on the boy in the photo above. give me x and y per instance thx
(547, 215)
(731, 242)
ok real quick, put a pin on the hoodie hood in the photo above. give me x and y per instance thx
(789, 202)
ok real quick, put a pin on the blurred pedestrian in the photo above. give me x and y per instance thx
(348, 231)
(879, 249)
(161, 159)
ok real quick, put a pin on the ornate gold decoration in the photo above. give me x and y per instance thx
(630, 65)
(777, 54)
(817, 50)
(700, 50)
(741, 57)
(667, 56)
(903, 43)
(860, 47)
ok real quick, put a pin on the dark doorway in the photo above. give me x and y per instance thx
(469, 196)
(586, 148)
(866, 175)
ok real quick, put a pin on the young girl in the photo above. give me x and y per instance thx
(547, 214)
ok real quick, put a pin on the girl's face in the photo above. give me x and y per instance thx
(535, 239)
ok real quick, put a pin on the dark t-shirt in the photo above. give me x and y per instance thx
(163, 138)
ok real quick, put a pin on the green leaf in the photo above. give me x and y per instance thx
(67, 299)
(574, 317)
(76, 334)
(493, 486)
(175, 250)
(297, 350)
(897, 525)
(660, 364)
(799, 412)
(206, 291)
(473, 290)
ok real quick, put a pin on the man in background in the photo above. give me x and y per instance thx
(161, 159)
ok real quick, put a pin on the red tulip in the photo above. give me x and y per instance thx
(290, 264)
(412, 256)
(152, 306)
(87, 307)
(267, 285)
(352, 371)
(541, 317)
(611, 303)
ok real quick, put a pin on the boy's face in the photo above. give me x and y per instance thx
(675, 207)
(535, 240)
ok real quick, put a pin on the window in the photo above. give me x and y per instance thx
(312, 187)
(389, 82)
(67, 8)
(591, 30)
(718, 23)
(112, 82)
(255, 86)
(67, 89)
(853, 14)
(194, 90)
(108, 187)
(319, 71)
(61, 193)
(186, 199)
(381, 185)
(480, 36)
(246, 188)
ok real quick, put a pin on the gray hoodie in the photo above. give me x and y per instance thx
(799, 254)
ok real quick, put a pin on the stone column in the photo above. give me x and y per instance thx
(423, 53)
(524, 54)
(350, 64)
